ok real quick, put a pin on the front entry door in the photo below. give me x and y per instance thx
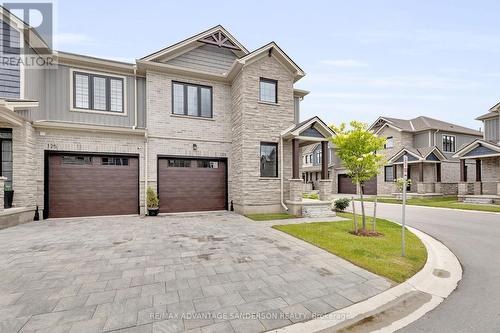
(6, 155)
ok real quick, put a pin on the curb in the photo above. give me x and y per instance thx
(442, 208)
(436, 281)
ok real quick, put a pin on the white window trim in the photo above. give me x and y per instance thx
(387, 138)
(114, 113)
(454, 140)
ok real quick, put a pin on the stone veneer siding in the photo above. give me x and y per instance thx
(254, 122)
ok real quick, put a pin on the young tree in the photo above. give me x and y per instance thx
(357, 148)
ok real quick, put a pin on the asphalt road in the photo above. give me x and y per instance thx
(474, 237)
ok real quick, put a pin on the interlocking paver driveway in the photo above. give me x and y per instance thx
(215, 272)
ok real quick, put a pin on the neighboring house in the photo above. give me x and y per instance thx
(485, 153)
(429, 145)
(311, 165)
(206, 122)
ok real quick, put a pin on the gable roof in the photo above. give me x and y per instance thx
(197, 40)
(488, 115)
(220, 37)
(423, 123)
(418, 154)
(492, 149)
(309, 148)
(273, 49)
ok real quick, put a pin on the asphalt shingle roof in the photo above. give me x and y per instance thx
(423, 123)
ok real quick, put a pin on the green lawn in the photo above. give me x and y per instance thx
(268, 217)
(444, 202)
(380, 255)
(313, 196)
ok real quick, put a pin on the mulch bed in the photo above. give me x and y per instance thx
(366, 233)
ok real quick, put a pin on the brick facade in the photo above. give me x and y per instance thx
(240, 123)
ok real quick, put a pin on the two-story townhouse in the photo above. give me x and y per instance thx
(207, 123)
(429, 145)
(485, 152)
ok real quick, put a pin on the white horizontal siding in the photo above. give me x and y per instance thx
(491, 130)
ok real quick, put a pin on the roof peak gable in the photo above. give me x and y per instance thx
(217, 35)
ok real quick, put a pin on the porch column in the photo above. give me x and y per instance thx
(437, 186)
(295, 159)
(324, 159)
(478, 188)
(325, 184)
(463, 176)
(421, 184)
(478, 170)
(394, 172)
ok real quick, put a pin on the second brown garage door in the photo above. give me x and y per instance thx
(91, 185)
(188, 185)
(345, 185)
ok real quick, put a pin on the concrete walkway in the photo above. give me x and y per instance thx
(214, 272)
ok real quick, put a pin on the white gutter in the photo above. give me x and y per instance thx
(281, 174)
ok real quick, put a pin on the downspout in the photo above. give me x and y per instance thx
(135, 97)
(281, 173)
(145, 171)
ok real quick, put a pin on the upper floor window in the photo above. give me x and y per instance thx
(268, 159)
(268, 90)
(449, 143)
(98, 92)
(191, 100)
(389, 142)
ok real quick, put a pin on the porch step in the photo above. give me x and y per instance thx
(478, 200)
(322, 209)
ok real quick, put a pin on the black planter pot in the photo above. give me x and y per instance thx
(8, 196)
(153, 211)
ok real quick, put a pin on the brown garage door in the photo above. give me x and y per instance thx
(370, 186)
(91, 185)
(187, 185)
(345, 185)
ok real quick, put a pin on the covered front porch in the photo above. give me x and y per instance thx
(308, 132)
(485, 188)
(424, 171)
(17, 164)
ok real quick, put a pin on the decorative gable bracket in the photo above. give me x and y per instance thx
(220, 40)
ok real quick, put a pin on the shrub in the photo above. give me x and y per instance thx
(400, 183)
(152, 198)
(341, 204)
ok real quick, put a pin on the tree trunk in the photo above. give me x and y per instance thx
(354, 215)
(363, 217)
(375, 215)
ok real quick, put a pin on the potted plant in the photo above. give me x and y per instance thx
(152, 202)
(8, 196)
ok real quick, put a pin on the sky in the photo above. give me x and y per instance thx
(363, 59)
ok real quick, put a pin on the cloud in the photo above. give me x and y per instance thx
(344, 63)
